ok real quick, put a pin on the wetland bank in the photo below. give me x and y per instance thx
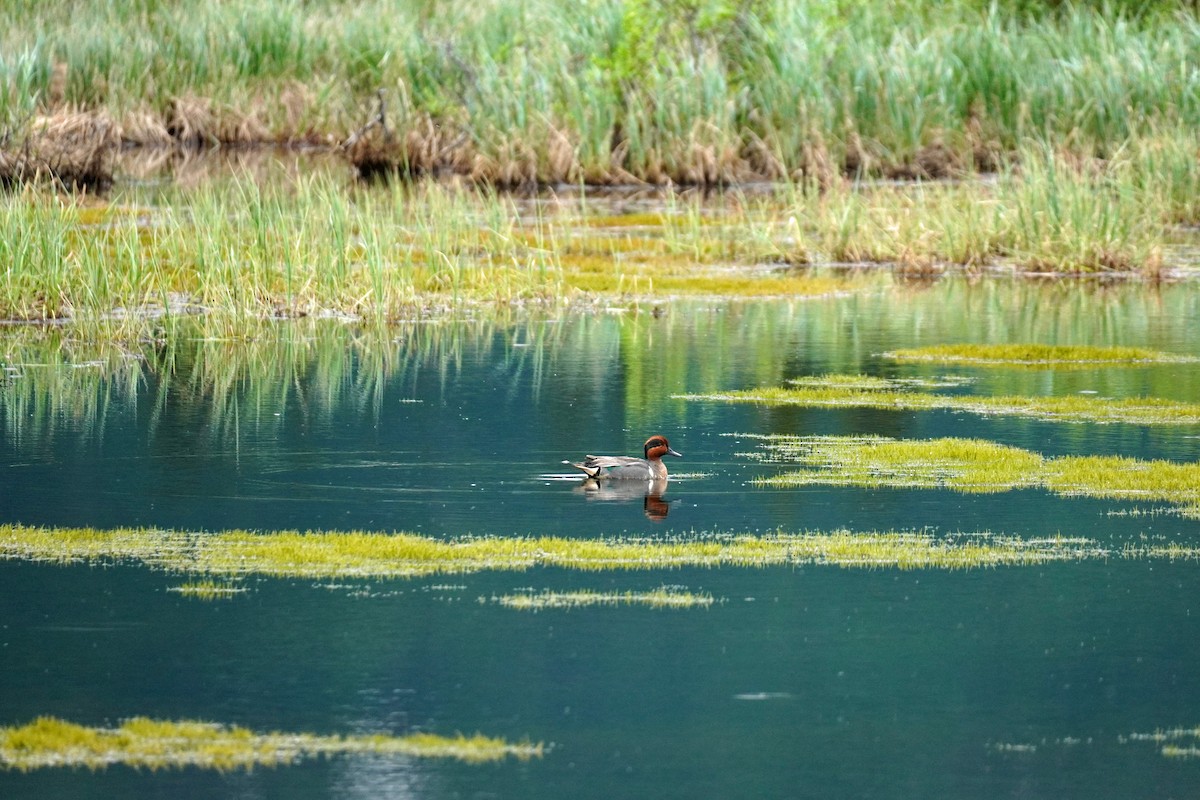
(281, 447)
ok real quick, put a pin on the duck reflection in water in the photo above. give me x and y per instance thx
(651, 492)
(627, 477)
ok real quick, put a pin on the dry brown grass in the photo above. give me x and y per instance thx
(71, 148)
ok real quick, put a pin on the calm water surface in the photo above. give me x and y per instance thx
(818, 682)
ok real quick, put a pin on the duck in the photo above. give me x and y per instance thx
(628, 468)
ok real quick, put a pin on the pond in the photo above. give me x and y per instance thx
(1046, 679)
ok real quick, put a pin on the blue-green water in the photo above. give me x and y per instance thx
(818, 682)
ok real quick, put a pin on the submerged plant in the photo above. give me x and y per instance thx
(158, 744)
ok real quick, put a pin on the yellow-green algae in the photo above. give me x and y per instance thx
(156, 744)
(975, 465)
(1169, 738)
(404, 555)
(208, 590)
(1038, 355)
(663, 597)
(857, 391)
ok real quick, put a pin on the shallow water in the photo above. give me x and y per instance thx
(814, 682)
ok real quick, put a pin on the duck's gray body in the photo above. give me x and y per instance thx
(628, 468)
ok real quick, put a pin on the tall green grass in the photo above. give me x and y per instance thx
(308, 246)
(695, 89)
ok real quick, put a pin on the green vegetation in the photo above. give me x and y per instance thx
(851, 391)
(159, 744)
(243, 251)
(208, 590)
(1039, 355)
(687, 90)
(663, 597)
(320, 555)
(975, 465)
(1176, 742)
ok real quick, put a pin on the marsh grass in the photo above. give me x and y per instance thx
(317, 555)
(841, 391)
(49, 742)
(308, 248)
(708, 94)
(974, 465)
(1038, 355)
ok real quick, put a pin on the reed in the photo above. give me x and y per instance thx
(306, 248)
(702, 91)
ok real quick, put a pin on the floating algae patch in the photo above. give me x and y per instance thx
(1037, 355)
(856, 391)
(663, 597)
(1174, 742)
(208, 590)
(973, 465)
(317, 555)
(156, 744)
(651, 275)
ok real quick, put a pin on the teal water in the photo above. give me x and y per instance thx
(816, 682)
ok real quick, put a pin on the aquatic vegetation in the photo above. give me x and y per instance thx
(208, 590)
(1183, 743)
(663, 597)
(973, 465)
(841, 391)
(317, 555)
(970, 465)
(161, 744)
(244, 251)
(1058, 356)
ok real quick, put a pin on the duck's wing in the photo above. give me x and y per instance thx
(594, 465)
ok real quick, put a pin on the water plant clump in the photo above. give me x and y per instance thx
(971, 465)
(1182, 743)
(975, 465)
(1058, 356)
(208, 590)
(842, 391)
(318, 555)
(663, 597)
(174, 744)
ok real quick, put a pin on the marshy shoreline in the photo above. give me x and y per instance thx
(922, 139)
(691, 93)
